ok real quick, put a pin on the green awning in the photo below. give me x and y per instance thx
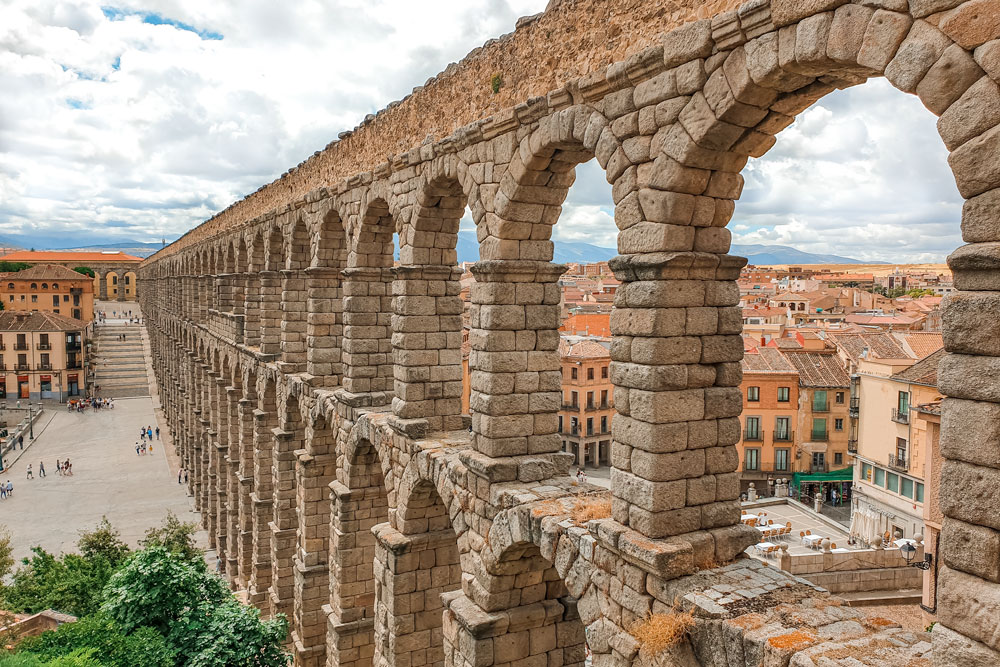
(842, 475)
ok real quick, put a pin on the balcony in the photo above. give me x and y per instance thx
(22, 347)
(73, 347)
(784, 436)
(22, 367)
(852, 445)
(575, 407)
(819, 436)
(45, 367)
(753, 436)
(901, 416)
(899, 462)
(821, 407)
(855, 408)
(44, 346)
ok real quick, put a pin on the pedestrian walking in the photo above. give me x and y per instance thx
(150, 446)
(10, 488)
(30, 476)
(3, 490)
(137, 449)
(58, 467)
(41, 469)
(185, 475)
(69, 467)
(149, 434)
(157, 432)
(180, 472)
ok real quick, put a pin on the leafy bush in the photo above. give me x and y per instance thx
(78, 658)
(106, 640)
(176, 536)
(85, 270)
(106, 541)
(69, 583)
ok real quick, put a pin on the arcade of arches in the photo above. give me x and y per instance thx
(314, 388)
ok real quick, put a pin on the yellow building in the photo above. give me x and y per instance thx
(823, 420)
(42, 356)
(588, 400)
(894, 440)
(51, 288)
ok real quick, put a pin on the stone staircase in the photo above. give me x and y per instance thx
(120, 367)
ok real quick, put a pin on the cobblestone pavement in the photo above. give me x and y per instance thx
(134, 492)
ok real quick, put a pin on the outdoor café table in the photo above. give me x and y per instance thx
(763, 546)
(748, 517)
(904, 540)
(812, 540)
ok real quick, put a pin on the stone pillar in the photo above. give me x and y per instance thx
(270, 312)
(367, 344)
(676, 370)
(224, 292)
(232, 465)
(548, 632)
(411, 574)
(251, 305)
(968, 574)
(262, 499)
(315, 470)
(515, 375)
(245, 542)
(427, 347)
(324, 326)
(293, 321)
(284, 523)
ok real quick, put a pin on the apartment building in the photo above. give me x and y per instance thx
(823, 414)
(894, 439)
(770, 413)
(42, 356)
(51, 288)
(588, 399)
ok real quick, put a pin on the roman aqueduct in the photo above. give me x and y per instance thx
(313, 388)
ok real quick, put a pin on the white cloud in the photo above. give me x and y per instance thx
(136, 120)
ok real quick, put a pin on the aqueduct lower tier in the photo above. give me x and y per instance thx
(314, 389)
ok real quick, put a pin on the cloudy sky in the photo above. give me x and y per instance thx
(137, 120)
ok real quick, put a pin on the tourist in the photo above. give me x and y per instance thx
(157, 432)
(41, 469)
(10, 488)
(180, 472)
(185, 475)
(3, 490)
(68, 467)
(30, 476)
(59, 470)
(137, 449)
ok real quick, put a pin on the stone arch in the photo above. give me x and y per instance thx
(325, 325)
(112, 284)
(360, 504)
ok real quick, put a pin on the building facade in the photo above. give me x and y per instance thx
(43, 356)
(51, 288)
(587, 400)
(115, 273)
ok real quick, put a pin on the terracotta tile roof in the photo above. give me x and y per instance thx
(786, 344)
(923, 372)
(591, 348)
(817, 369)
(766, 360)
(920, 343)
(38, 321)
(883, 320)
(55, 256)
(46, 272)
(880, 345)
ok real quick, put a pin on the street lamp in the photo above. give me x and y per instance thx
(908, 551)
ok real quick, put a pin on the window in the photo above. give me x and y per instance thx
(128, 280)
(819, 461)
(819, 429)
(46, 385)
(903, 402)
(590, 373)
(604, 398)
(839, 398)
(45, 359)
(590, 426)
(753, 394)
(575, 399)
(561, 426)
(55, 285)
(22, 360)
(114, 280)
(920, 493)
(866, 472)
(34, 298)
(34, 285)
(45, 285)
(782, 428)
(604, 424)
(604, 372)
(752, 429)
(906, 488)
(781, 458)
(892, 482)
(819, 401)
(573, 373)
(901, 448)
(784, 394)
(590, 400)
(838, 424)
(838, 458)
(22, 298)
(752, 459)
(55, 300)
(879, 477)
(43, 339)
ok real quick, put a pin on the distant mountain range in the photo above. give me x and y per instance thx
(468, 251)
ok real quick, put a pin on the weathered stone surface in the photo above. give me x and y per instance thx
(786, 12)
(972, 23)
(977, 110)
(923, 46)
(969, 603)
(885, 32)
(970, 322)
(971, 549)
(971, 377)
(978, 486)
(970, 431)
(981, 218)
(948, 79)
(952, 649)
(974, 166)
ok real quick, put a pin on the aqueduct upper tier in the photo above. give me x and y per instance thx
(314, 388)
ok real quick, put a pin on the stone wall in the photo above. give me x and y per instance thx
(347, 378)
(859, 570)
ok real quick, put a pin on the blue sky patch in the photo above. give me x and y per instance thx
(76, 104)
(153, 18)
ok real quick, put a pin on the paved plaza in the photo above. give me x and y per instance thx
(134, 492)
(802, 521)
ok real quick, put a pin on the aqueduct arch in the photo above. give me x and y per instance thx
(364, 351)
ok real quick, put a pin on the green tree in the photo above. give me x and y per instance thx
(106, 541)
(69, 583)
(78, 658)
(106, 640)
(230, 634)
(176, 536)
(6, 560)
(156, 587)
(85, 270)
(13, 267)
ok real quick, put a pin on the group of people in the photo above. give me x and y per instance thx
(79, 405)
(6, 489)
(146, 434)
(63, 468)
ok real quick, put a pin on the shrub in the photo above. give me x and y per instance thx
(659, 632)
(106, 640)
